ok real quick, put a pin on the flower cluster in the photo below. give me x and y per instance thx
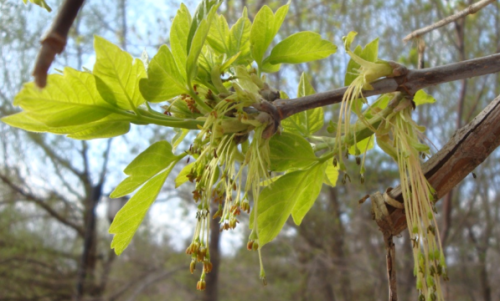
(230, 143)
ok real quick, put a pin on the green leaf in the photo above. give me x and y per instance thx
(128, 219)
(305, 87)
(117, 75)
(421, 97)
(277, 201)
(308, 122)
(331, 175)
(382, 101)
(362, 146)
(290, 151)
(218, 35)
(197, 45)
(352, 68)
(308, 193)
(164, 78)
(102, 129)
(147, 164)
(239, 38)
(68, 99)
(110, 126)
(180, 134)
(301, 47)
(268, 67)
(368, 53)
(40, 3)
(269, 181)
(202, 11)
(182, 176)
(179, 38)
(265, 27)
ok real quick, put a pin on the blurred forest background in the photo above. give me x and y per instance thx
(54, 212)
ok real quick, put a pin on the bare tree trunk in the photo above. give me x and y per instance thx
(212, 280)
(338, 234)
(483, 276)
(85, 279)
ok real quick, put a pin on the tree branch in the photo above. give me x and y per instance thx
(468, 148)
(42, 204)
(410, 83)
(468, 11)
(55, 40)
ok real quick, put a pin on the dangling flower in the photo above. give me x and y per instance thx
(366, 71)
(419, 198)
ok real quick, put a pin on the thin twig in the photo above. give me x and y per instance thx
(472, 9)
(55, 40)
(42, 204)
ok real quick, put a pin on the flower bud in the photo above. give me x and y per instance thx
(192, 266)
(207, 266)
(250, 245)
(255, 246)
(245, 206)
(201, 285)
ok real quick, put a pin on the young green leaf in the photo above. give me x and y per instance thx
(265, 27)
(218, 35)
(369, 53)
(202, 11)
(331, 175)
(239, 38)
(197, 44)
(69, 99)
(277, 201)
(117, 75)
(102, 129)
(180, 134)
(308, 122)
(179, 37)
(182, 176)
(128, 219)
(164, 78)
(110, 126)
(154, 159)
(309, 193)
(352, 67)
(269, 181)
(301, 47)
(290, 151)
(268, 67)
(421, 97)
(365, 144)
(40, 3)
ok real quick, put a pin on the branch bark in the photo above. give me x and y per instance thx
(410, 83)
(468, 148)
(55, 40)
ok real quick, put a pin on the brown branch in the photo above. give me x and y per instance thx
(410, 83)
(468, 11)
(468, 148)
(55, 40)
